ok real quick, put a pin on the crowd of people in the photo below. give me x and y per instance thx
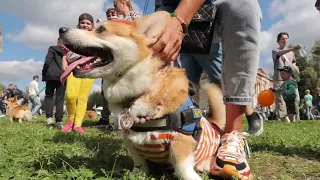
(232, 68)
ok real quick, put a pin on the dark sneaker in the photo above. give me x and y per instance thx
(105, 124)
(255, 122)
(102, 122)
(59, 125)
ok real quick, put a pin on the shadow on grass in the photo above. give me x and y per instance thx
(306, 152)
(109, 153)
(104, 152)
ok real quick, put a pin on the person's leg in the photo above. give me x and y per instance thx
(239, 24)
(20, 101)
(48, 101)
(211, 65)
(37, 102)
(105, 113)
(291, 111)
(311, 115)
(30, 101)
(296, 107)
(193, 71)
(60, 93)
(255, 121)
(281, 110)
(72, 93)
(308, 111)
(86, 85)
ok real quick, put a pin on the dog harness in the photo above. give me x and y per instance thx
(188, 120)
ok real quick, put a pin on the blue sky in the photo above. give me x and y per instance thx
(26, 35)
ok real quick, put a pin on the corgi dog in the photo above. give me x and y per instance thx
(144, 89)
(91, 114)
(16, 112)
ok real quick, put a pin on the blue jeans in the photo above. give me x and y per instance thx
(195, 64)
(34, 103)
(237, 25)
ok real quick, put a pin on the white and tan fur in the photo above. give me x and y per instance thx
(156, 94)
(16, 112)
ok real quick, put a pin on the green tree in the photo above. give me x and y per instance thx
(2, 87)
(95, 98)
(309, 70)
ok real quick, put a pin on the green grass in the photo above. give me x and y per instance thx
(36, 151)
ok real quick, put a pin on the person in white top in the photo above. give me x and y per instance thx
(33, 96)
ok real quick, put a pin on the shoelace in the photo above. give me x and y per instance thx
(236, 140)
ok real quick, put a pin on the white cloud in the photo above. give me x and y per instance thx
(19, 70)
(43, 18)
(34, 36)
(300, 19)
(96, 87)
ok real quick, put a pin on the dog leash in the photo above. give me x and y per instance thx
(38, 93)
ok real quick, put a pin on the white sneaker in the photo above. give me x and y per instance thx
(2, 115)
(50, 121)
(231, 160)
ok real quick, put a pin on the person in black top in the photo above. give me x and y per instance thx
(51, 72)
(104, 120)
(317, 5)
(13, 91)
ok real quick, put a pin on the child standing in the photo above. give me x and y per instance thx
(77, 89)
(289, 91)
(308, 104)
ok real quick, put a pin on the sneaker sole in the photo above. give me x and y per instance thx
(230, 172)
(260, 131)
(67, 131)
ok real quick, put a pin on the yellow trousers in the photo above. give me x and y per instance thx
(77, 97)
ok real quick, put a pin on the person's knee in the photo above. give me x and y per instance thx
(71, 98)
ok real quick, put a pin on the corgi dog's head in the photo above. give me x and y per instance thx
(10, 101)
(113, 46)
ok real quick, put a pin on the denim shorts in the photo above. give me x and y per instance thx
(237, 26)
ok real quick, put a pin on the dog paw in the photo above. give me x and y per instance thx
(140, 119)
(139, 169)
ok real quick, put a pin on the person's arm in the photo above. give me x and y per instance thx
(291, 88)
(36, 88)
(169, 45)
(276, 90)
(49, 59)
(285, 51)
(188, 8)
(64, 63)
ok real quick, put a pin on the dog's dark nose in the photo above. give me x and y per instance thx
(63, 30)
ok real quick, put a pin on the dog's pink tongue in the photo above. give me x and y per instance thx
(73, 65)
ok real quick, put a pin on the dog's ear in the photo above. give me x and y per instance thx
(152, 26)
(14, 99)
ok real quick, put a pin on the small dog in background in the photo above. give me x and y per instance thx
(17, 112)
(91, 114)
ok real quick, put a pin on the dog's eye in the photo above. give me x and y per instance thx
(100, 29)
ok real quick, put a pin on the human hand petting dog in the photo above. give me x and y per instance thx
(64, 63)
(169, 45)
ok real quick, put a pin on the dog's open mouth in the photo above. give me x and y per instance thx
(91, 57)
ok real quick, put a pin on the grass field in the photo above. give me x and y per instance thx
(36, 151)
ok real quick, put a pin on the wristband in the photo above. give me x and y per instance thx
(183, 24)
